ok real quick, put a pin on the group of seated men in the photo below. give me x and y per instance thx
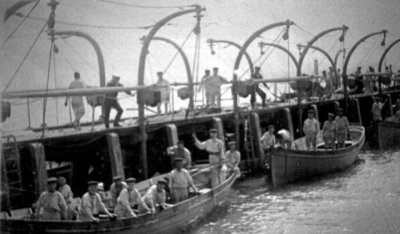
(126, 198)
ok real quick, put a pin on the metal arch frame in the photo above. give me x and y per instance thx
(347, 60)
(186, 63)
(385, 53)
(337, 55)
(248, 58)
(344, 28)
(291, 55)
(142, 65)
(319, 49)
(96, 46)
(255, 35)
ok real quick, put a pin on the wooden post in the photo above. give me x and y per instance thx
(114, 149)
(357, 104)
(172, 134)
(256, 131)
(390, 103)
(290, 122)
(220, 129)
(315, 108)
(38, 160)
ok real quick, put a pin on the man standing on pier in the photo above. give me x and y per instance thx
(76, 101)
(215, 149)
(163, 87)
(256, 89)
(111, 101)
(203, 84)
(213, 85)
(311, 129)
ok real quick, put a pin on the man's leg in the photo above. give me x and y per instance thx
(253, 98)
(107, 109)
(119, 113)
(262, 95)
(314, 142)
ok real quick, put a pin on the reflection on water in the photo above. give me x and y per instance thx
(363, 199)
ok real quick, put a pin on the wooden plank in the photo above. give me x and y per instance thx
(114, 149)
(220, 130)
(256, 130)
(38, 159)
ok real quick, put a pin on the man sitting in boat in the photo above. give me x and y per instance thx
(342, 128)
(163, 88)
(215, 149)
(92, 205)
(156, 197)
(116, 188)
(329, 132)
(180, 151)
(268, 142)
(311, 129)
(232, 157)
(77, 101)
(51, 204)
(66, 192)
(128, 200)
(180, 181)
(284, 139)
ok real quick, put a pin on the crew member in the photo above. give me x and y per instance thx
(155, 197)
(256, 89)
(376, 109)
(213, 85)
(329, 132)
(268, 142)
(284, 139)
(128, 200)
(67, 194)
(232, 157)
(76, 101)
(111, 101)
(215, 149)
(51, 204)
(180, 181)
(203, 83)
(311, 129)
(116, 188)
(342, 128)
(180, 151)
(92, 205)
(163, 87)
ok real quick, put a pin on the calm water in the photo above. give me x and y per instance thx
(363, 199)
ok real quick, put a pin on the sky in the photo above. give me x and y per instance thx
(233, 20)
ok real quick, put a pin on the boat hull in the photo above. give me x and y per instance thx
(294, 165)
(388, 134)
(171, 220)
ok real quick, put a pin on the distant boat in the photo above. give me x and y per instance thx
(290, 165)
(170, 220)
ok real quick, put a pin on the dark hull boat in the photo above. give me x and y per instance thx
(289, 165)
(171, 220)
(388, 134)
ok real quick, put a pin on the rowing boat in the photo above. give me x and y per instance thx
(290, 165)
(171, 220)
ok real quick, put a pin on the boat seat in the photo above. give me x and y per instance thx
(17, 214)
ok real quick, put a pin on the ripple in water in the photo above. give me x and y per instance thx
(363, 199)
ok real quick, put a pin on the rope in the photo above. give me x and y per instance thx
(55, 85)
(26, 55)
(19, 25)
(302, 29)
(177, 52)
(288, 64)
(143, 6)
(47, 89)
(80, 56)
